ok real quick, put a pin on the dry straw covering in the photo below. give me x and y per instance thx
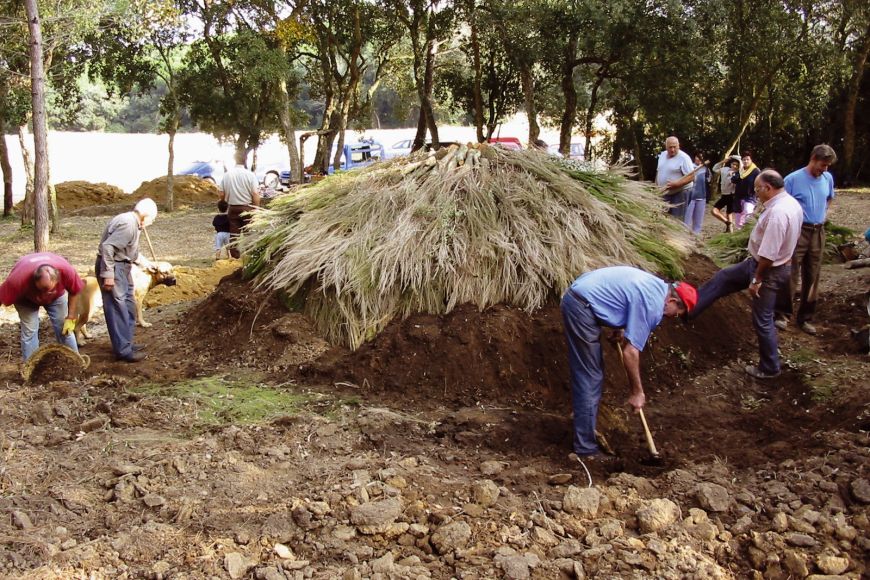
(468, 224)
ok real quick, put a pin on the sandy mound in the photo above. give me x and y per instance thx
(76, 195)
(189, 190)
(191, 283)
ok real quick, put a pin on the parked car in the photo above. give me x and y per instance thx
(269, 174)
(399, 149)
(365, 152)
(209, 170)
(512, 143)
(576, 150)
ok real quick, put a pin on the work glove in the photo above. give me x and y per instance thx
(69, 325)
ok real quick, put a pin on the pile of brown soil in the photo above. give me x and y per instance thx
(507, 358)
(246, 327)
(188, 190)
(74, 195)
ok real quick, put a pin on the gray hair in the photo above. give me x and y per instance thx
(45, 270)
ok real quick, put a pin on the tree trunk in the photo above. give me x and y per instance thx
(171, 130)
(527, 80)
(40, 133)
(6, 167)
(851, 106)
(638, 154)
(26, 160)
(428, 86)
(570, 93)
(477, 97)
(590, 117)
(297, 168)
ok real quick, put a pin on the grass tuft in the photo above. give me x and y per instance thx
(219, 401)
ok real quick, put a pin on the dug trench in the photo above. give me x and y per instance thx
(128, 482)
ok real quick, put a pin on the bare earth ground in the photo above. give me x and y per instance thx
(245, 446)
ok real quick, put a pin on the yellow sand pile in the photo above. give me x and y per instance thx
(191, 283)
(188, 190)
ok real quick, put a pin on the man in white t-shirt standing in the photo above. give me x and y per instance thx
(241, 191)
(675, 176)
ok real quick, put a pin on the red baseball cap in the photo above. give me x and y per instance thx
(687, 294)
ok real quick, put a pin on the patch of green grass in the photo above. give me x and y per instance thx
(219, 401)
(802, 356)
(822, 391)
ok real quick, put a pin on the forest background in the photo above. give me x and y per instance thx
(773, 76)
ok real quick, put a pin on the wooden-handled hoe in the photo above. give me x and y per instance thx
(655, 457)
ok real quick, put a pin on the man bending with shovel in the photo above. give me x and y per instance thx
(632, 302)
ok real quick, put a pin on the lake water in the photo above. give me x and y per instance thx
(127, 159)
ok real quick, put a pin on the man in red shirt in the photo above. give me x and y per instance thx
(43, 279)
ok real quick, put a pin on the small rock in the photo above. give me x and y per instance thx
(453, 536)
(800, 540)
(560, 478)
(779, 522)
(515, 566)
(160, 568)
(832, 564)
(41, 414)
(126, 469)
(583, 502)
(485, 492)
(491, 468)
(269, 573)
(21, 520)
(829, 486)
(375, 517)
(62, 410)
(153, 500)
(860, 489)
(383, 565)
(93, 424)
(544, 537)
(657, 515)
(713, 497)
(70, 543)
(795, 563)
(284, 552)
(237, 565)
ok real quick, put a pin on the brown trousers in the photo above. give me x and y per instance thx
(806, 266)
(237, 222)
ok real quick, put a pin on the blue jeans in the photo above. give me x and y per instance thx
(678, 200)
(695, 214)
(736, 278)
(586, 365)
(120, 309)
(29, 315)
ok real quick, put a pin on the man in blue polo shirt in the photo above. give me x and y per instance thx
(813, 187)
(623, 298)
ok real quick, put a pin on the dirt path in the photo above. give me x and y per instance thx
(246, 447)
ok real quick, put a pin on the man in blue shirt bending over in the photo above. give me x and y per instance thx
(813, 187)
(626, 299)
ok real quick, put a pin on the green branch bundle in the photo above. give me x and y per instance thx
(726, 249)
(468, 224)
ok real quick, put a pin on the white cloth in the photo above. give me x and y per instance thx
(777, 231)
(239, 185)
(674, 168)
